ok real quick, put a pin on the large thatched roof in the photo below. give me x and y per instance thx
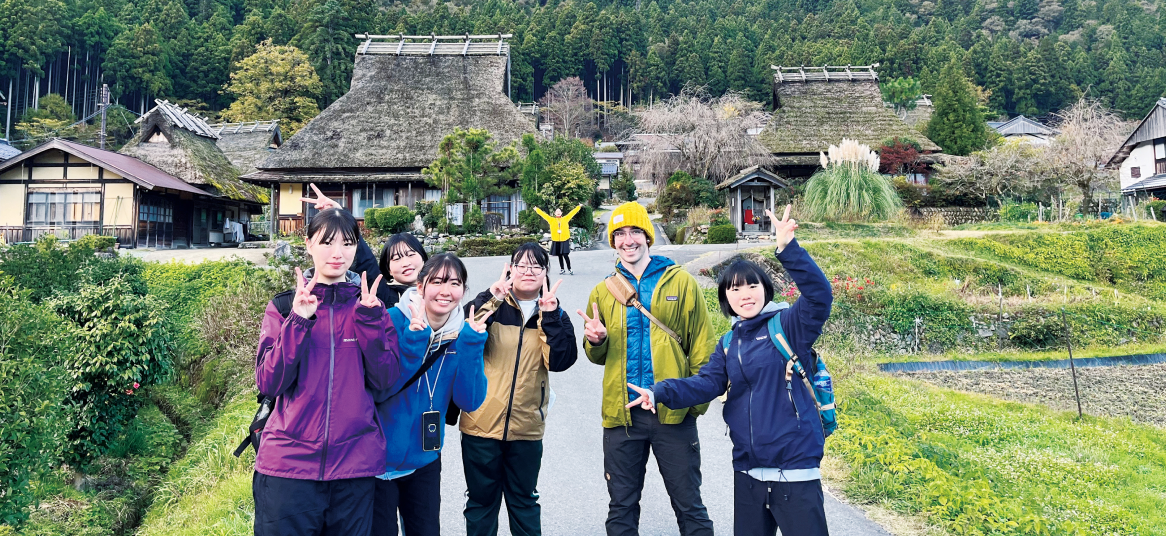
(401, 105)
(817, 107)
(183, 145)
(248, 143)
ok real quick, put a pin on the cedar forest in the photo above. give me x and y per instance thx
(1029, 57)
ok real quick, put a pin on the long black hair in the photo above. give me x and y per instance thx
(741, 273)
(332, 221)
(443, 265)
(399, 244)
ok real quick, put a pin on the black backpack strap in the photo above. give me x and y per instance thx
(425, 366)
(283, 302)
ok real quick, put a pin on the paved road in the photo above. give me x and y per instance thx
(572, 489)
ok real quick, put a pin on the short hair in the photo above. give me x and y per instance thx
(739, 273)
(334, 220)
(533, 251)
(397, 244)
(442, 264)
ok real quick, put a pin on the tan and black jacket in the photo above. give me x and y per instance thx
(518, 357)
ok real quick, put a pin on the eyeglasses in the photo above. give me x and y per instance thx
(528, 269)
(636, 233)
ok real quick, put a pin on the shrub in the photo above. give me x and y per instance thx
(532, 223)
(395, 219)
(96, 242)
(474, 220)
(370, 218)
(722, 234)
(32, 421)
(684, 191)
(124, 342)
(1018, 212)
(486, 247)
(850, 191)
(45, 267)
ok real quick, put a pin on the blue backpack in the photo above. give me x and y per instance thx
(822, 387)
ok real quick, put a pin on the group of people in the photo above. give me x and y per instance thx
(365, 376)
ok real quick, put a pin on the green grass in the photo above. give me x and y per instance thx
(1021, 355)
(809, 231)
(975, 465)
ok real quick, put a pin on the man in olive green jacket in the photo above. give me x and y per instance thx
(645, 355)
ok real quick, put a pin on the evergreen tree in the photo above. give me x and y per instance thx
(136, 63)
(327, 40)
(956, 124)
(276, 82)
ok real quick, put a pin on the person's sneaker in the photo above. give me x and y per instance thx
(561, 272)
(572, 272)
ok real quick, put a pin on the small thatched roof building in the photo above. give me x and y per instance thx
(183, 145)
(407, 93)
(248, 143)
(815, 107)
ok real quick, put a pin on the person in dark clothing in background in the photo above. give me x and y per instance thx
(777, 434)
(529, 335)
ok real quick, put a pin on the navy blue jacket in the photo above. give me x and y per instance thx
(766, 429)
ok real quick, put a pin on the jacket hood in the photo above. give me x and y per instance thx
(769, 310)
(452, 326)
(349, 276)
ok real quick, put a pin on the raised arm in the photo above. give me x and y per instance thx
(711, 382)
(283, 343)
(594, 327)
(469, 384)
(377, 339)
(545, 216)
(572, 214)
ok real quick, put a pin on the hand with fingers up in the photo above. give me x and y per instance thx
(645, 400)
(321, 202)
(548, 302)
(502, 286)
(783, 230)
(304, 303)
(593, 328)
(418, 321)
(368, 296)
(477, 324)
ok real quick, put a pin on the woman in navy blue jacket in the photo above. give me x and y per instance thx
(773, 421)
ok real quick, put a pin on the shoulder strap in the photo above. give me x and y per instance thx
(777, 335)
(425, 366)
(727, 340)
(283, 302)
(625, 293)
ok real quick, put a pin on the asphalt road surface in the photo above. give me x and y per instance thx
(571, 485)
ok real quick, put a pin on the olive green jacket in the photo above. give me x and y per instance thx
(685, 313)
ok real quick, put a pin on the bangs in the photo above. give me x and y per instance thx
(329, 223)
(533, 252)
(739, 274)
(446, 267)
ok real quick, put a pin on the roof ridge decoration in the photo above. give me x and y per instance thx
(244, 126)
(434, 45)
(181, 118)
(825, 73)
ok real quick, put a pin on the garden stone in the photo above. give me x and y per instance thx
(282, 249)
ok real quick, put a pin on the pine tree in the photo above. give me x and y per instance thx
(136, 63)
(327, 40)
(956, 124)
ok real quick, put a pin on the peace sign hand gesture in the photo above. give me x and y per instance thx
(593, 328)
(783, 230)
(645, 400)
(321, 201)
(418, 320)
(304, 302)
(502, 286)
(368, 296)
(478, 324)
(548, 302)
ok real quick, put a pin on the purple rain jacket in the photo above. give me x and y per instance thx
(320, 370)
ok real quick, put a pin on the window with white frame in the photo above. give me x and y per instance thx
(62, 208)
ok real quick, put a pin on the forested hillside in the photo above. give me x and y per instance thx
(1030, 56)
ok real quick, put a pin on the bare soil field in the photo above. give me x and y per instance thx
(1134, 391)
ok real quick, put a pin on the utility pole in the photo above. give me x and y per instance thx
(104, 105)
(8, 112)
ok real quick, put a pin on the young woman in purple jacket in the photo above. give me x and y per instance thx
(323, 445)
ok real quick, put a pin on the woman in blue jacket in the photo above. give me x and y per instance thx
(412, 411)
(773, 421)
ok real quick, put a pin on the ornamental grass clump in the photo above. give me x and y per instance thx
(849, 187)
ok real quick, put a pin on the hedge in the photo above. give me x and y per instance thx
(722, 234)
(488, 247)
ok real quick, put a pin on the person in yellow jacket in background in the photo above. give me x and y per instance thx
(560, 235)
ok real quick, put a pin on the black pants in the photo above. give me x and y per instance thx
(760, 508)
(291, 507)
(418, 499)
(625, 459)
(565, 257)
(495, 469)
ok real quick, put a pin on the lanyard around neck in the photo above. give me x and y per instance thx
(431, 387)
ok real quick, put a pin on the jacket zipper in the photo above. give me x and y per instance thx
(331, 372)
(741, 362)
(542, 398)
(514, 379)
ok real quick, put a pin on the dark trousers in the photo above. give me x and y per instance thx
(291, 507)
(564, 257)
(760, 508)
(496, 469)
(625, 459)
(417, 497)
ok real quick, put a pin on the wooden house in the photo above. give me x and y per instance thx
(1141, 160)
(407, 93)
(7, 151)
(815, 107)
(1024, 129)
(248, 143)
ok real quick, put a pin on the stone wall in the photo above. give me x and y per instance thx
(956, 215)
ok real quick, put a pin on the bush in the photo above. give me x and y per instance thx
(124, 342)
(474, 220)
(684, 191)
(45, 267)
(1018, 212)
(96, 242)
(32, 420)
(722, 234)
(532, 223)
(850, 192)
(487, 247)
(395, 219)
(370, 218)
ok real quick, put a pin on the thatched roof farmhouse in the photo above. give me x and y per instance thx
(248, 143)
(407, 93)
(815, 107)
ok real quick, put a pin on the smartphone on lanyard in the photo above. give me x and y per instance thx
(431, 431)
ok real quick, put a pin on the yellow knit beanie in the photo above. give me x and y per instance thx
(633, 214)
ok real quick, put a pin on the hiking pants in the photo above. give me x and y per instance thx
(416, 496)
(625, 460)
(496, 469)
(760, 508)
(293, 507)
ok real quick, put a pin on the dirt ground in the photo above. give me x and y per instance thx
(195, 256)
(1134, 391)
